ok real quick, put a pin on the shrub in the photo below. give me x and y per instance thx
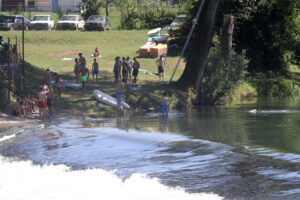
(221, 76)
(129, 15)
(153, 16)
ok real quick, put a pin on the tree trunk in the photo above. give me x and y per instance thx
(226, 35)
(106, 7)
(199, 47)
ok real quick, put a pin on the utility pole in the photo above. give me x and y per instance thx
(23, 27)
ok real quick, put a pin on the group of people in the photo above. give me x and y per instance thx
(125, 68)
(46, 93)
(25, 106)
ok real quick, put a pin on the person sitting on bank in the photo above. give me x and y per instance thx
(17, 108)
(164, 107)
(84, 76)
(95, 69)
(97, 53)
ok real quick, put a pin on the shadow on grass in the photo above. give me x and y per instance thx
(76, 101)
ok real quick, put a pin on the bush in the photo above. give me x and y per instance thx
(129, 15)
(221, 76)
(156, 16)
(60, 12)
(272, 88)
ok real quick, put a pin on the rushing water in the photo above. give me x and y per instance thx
(201, 154)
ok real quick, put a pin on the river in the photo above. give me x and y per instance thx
(208, 153)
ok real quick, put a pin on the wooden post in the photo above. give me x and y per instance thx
(226, 35)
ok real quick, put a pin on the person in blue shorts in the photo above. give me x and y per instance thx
(164, 107)
(95, 69)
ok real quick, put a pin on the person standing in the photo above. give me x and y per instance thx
(161, 62)
(164, 107)
(117, 68)
(47, 77)
(120, 86)
(82, 60)
(95, 69)
(129, 67)
(42, 103)
(135, 66)
(59, 87)
(77, 69)
(124, 70)
(84, 77)
(50, 96)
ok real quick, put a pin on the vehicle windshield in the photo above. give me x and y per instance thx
(9, 19)
(96, 18)
(180, 19)
(40, 18)
(68, 18)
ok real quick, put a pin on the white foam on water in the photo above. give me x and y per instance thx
(23, 180)
(255, 111)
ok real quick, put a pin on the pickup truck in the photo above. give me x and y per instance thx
(41, 22)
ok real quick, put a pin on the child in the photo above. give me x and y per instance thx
(164, 107)
(95, 69)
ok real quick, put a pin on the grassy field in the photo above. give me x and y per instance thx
(46, 49)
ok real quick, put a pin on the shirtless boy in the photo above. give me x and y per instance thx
(42, 103)
(161, 62)
(47, 77)
(82, 60)
(77, 69)
(95, 69)
(84, 76)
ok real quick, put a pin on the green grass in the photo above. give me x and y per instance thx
(42, 49)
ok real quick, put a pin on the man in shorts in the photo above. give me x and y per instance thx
(47, 77)
(82, 60)
(77, 69)
(120, 86)
(95, 69)
(161, 62)
(84, 76)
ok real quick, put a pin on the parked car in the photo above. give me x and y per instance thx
(73, 22)
(8, 22)
(18, 23)
(97, 22)
(41, 22)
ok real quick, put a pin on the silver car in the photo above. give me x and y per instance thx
(73, 22)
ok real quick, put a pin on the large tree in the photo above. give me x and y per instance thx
(199, 47)
(92, 7)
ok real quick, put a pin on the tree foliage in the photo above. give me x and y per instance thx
(267, 30)
(129, 14)
(92, 7)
